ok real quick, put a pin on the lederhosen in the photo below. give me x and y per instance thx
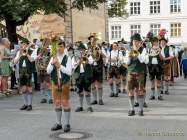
(98, 70)
(136, 75)
(114, 69)
(63, 93)
(122, 68)
(83, 80)
(43, 76)
(167, 64)
(155, 70)
(25, 73)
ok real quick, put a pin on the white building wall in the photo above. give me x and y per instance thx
(165, 18)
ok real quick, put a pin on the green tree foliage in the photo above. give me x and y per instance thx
(117, 8)
(16, 12)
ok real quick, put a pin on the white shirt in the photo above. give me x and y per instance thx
(66, 70)
(170, 52)
(113, 56)
(75, 64)
(143, 57)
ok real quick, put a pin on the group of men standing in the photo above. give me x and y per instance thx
(123, 66)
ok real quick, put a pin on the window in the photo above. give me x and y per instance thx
(135, 29)
(155, 28)
(135, 8)
(116, 32)
(175, 29)
(154, 7)
(175, 6)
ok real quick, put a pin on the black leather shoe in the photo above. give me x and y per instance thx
(79, 109)
(89, 109)
(131, 113)
(94, 102)
(56, 127)
(112, 94)
(119, 90)
(145, 105)
(29, 108)
(140, 113)
(136, 104)
(161, 92)
(124, 91)
(101, 102)
(166, 92)
(24, 107)
(116, 95)
(152, 98)
(67, 128)
(50, 101)
(160, 98)
(43, 101)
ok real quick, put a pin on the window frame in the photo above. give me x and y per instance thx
(155, 7)
(175, 6)
(175, 31)
(116, 32)
(137, 29)
(135, 8)
(155, 28)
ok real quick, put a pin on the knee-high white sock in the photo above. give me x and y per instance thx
(88, 100)
(100, 92)
(141, 102)
(25, 98)
(30, 96)
(59, 115)
(94, 93)
(131, 102)
(81, 98)
(67, 115)
(153, 91)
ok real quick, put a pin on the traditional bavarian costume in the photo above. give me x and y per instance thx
(24, 60)
(83, 75)
(166, 53)
(42, 60)
(136, 75)
(97, 67)
(115, 56)
(105, 51)
(123, 71)
(61, 88)
(155, 69)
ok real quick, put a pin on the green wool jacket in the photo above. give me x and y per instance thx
(64, 77)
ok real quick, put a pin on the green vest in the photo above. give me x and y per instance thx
(166, 52)
(64, 77)
(88, 72)
(28, 64)
(136, 66)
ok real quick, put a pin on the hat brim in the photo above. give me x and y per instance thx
(163, 39)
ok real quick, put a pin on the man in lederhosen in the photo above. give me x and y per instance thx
(123, 69)
(60, 69)
(42, 57)
(114, 58)
(167, 55)
(97, 79)
(136, 73)
(155, 68)
(23, 58)
(83, 75)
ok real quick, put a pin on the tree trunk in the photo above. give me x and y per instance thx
(11, 30)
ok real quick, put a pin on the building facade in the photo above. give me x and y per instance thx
(152, 15)
(76, 26)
